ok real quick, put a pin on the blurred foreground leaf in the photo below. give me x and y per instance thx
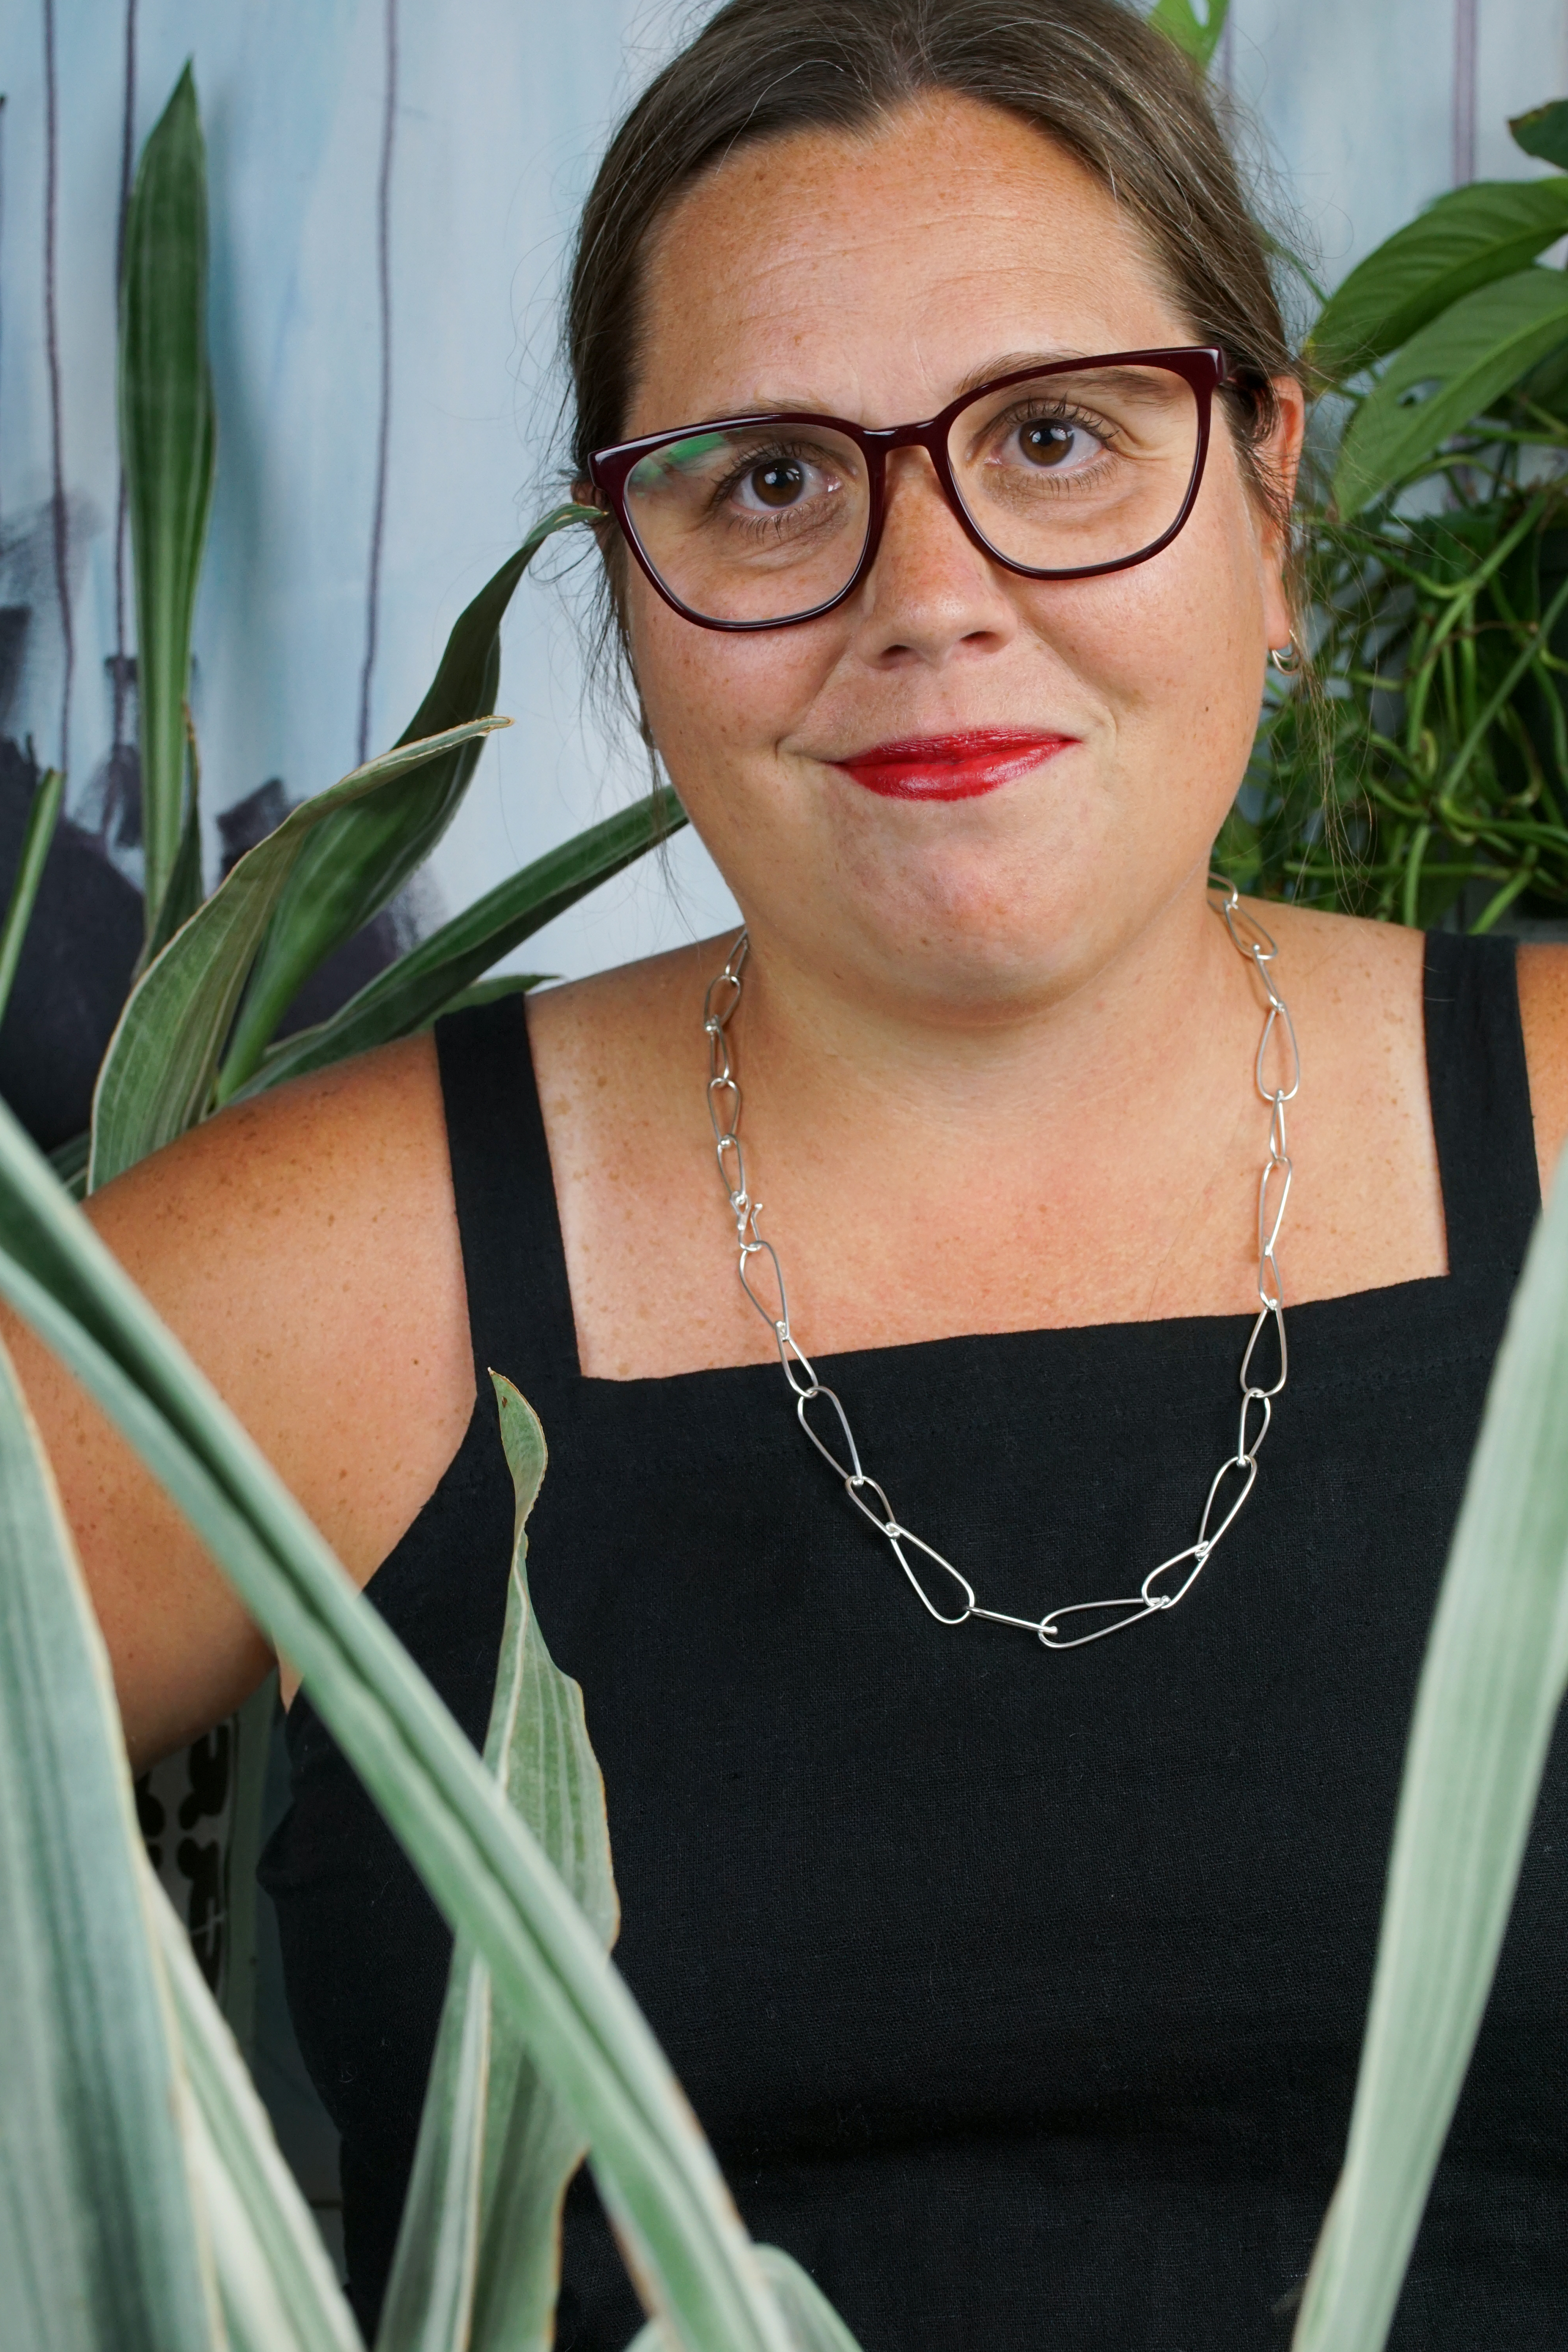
(1490, 1688)
(100, 2250)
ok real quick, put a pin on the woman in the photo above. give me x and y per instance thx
(1019, 1977)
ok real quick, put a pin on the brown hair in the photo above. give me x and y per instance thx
(1090, 74)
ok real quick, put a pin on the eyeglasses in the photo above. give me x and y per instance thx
(1057, 473)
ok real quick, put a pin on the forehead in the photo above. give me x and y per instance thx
(871, 273)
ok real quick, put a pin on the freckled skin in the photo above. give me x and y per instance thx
(997, 1053)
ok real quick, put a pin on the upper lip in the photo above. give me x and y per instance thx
(969, 743)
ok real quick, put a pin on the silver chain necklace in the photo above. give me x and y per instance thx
(1234, 1479)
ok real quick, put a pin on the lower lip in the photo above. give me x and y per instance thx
(953, 767)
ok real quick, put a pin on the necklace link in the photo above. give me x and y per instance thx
(1221, 1509)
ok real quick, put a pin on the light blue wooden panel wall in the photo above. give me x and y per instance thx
(1365, 109)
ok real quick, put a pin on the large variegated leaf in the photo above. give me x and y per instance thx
(278, 2289)
(101, 2246)
(159, 1072)
(813, 2324)
(483, 1865)
(478, 2256)
(359, 862)
(1493, 1680)
(167, 438)
(1489, 230)
(1473, 355)
(410, 993)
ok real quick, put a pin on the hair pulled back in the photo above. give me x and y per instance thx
(1089, 74)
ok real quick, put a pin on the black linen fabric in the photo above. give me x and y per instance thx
(1020, 1994)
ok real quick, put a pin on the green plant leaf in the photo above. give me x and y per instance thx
(43, 816)
(167, 438)
(410, 993)
(184, 894)
(1468, 238)
(1544, 132)
(278, 2289)
(1490, 1687)
(358, 864)
(479, 2253)
(1196, 36)
(100, 2248)
(482, 1865)
(1473, 355)
(814, 2325)
(158, 1074)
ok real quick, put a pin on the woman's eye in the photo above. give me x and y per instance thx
(779, 483)
(775, 484)
(1056, 445)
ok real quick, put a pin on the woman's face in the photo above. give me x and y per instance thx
(875, 277)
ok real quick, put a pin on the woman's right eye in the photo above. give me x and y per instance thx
(774, 483)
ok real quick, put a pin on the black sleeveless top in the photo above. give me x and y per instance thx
(1020, 1994)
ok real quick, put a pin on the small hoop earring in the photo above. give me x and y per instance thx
(1286, 658)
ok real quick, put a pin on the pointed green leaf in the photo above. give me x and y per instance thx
(184, 894)
(1468, 238)
(814, 2325)
(1491, 1684)
(483, 1865)
(1196, 36)
(410, 993)
(100, 2243)
(358, 864)
(1544, 132)
(278, 2291)
(478, 2254)
(1473, 355)
(158, 1075)
(167, 438)
(43, 816)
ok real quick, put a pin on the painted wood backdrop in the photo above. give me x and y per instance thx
(392, 187)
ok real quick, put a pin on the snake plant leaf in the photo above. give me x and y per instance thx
(1473, 355)
(814, 2325)
(483, 1867)
(357, 864)
(1544, 132)
(1468, 238)
(478, 2255)
(277, 2287)
(43, 816)
(158, 1074)
(167, 438)
(410, 993)
(1196, 36)
(183, 893)
(101, 2244)
(1491, 1683)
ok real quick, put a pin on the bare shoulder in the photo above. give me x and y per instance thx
(626, 1028)
(1543, 1014)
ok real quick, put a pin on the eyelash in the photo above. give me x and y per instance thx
(748, 465)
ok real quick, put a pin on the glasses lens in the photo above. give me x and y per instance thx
(751, 522)
(1077, 469)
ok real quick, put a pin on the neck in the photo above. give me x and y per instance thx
(1045, 1059)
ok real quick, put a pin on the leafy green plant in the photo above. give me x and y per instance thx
(1433, 537)
(173, 2225)
(168, 442)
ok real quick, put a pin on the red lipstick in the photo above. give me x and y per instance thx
(951, 767)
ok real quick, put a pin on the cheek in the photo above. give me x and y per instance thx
(716, 700)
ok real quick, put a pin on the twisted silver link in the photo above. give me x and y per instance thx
(762, 1277)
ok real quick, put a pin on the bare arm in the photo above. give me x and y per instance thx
(304, 1247)
(1543, 1013)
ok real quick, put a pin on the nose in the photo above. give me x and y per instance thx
(930, 596)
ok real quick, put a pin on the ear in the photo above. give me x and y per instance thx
(1278, 459)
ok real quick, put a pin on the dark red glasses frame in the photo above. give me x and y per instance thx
(1201, 366)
